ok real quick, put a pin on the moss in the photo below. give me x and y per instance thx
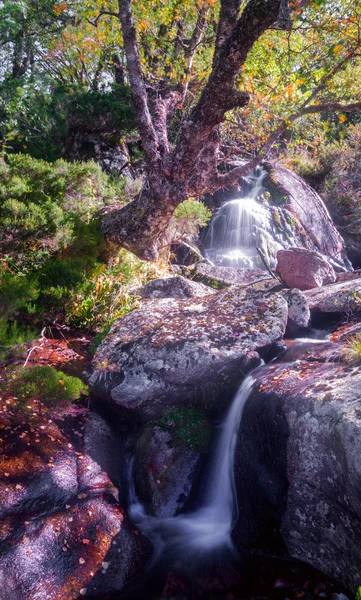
(44, 383)
(188, 425)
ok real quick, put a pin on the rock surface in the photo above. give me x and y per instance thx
(304, 269)
(299, 315)
(342, 298)
(312, 455)
(174, 351)
(63, 533)
(172, 287)
(220, 277)
(164, 472)
(304, 202)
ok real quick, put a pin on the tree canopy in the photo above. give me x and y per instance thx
(209, 81)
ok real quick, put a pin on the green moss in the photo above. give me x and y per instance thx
(188, 425)
(44, 383)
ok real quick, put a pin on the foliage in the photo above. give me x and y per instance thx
(188, 425)
(45, 207)
(13, 334)
(50, 246)
(187, 220)
(46, 384)
(352, 349)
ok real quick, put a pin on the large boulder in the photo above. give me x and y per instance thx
(304, 269)
(63, 533)
(344, 298)
(302, 201)
(172, 287)
(307, 469)
(174, 351)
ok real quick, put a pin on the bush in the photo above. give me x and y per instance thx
(352, 349)
(45, 384)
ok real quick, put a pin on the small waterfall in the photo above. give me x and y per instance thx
(188, 536)
(236, 229)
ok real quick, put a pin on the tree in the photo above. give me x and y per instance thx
(194, 163)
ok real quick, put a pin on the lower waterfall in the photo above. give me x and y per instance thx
(209, 528)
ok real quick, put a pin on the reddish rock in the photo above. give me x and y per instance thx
(348, 276)
(304, 269)
(63, 533)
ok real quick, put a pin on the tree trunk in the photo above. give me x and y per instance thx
(141, 225)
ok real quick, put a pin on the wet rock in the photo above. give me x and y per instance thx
(164, 470)
(316, 410)
(344, 298)
(299, 316)
(172, 287)
(304, 269)
(220, 277)
(303, 202)
(60, 521)
(174, 351)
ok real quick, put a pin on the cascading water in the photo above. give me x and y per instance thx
(239, 227)
(208, 528)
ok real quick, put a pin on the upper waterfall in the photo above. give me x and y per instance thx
(239, 227)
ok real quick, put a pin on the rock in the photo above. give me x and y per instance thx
(299, 316)
(174, 351)
(348, 276)
(311, 480)
(185, 254)
(304, 202)
(344, 298)
(221, 277)
(60, 520)
(304, 269)
(164, 471)
(172, 287)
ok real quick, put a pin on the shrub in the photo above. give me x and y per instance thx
(46, 384)
(352, 349)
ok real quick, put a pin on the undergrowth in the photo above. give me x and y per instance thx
(43, 383)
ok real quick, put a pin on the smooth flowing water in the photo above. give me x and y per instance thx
(209, 528)
(237, 227)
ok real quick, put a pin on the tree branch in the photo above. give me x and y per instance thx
(219, 94)
(228, 16)
(232, 177)
(139, 93)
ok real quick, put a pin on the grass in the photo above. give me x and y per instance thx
(352, 349)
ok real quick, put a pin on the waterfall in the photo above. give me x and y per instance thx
(209, 528)
(239, 227)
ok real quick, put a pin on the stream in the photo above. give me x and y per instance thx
(193, 553)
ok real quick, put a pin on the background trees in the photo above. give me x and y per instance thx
(210, 81)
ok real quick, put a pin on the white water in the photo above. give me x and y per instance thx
(234, 232)
(209, 528)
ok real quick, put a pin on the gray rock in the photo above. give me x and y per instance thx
(313, 411)
(308, 207)
(174, 351)
(185, 254)
(172, 287)
(163, 471)
(344, 298)
(304, 269)
(299, 316)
